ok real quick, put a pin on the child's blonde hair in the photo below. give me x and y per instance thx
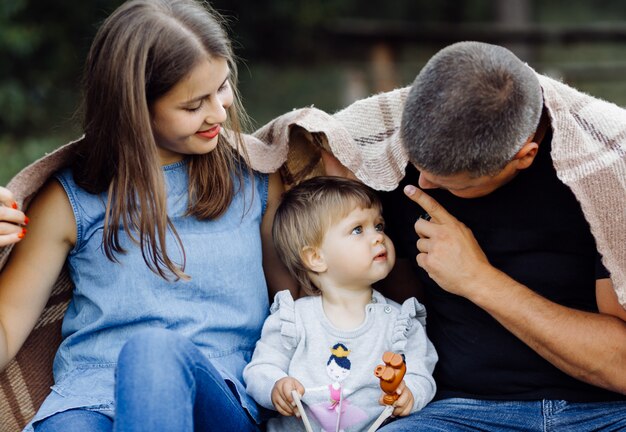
(305, 214)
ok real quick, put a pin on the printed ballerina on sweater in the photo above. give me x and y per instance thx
(329, 232)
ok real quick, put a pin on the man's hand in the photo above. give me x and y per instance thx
(404, 404)
(447, 249)
(281, 396)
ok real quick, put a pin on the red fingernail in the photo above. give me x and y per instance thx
(26, 220)
(22, 234)
(14, 205)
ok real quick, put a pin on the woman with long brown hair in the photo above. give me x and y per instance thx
(164, 230)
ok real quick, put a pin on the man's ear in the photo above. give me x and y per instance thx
(313, 259)
(526, 155)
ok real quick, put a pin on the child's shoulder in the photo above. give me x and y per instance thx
(378, 298)
(410, 308)
(284, 299)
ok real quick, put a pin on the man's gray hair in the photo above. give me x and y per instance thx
(470, 109)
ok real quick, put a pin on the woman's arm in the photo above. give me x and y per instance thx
(277, 276)
(33, 267)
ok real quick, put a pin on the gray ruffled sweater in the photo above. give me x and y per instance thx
(299, 341)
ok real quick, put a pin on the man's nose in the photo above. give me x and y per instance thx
(424, 183)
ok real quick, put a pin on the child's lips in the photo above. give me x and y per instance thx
(381, 256)
(210, 133)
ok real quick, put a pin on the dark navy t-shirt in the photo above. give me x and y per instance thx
(532, 229)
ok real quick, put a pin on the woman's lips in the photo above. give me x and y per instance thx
(210, 133)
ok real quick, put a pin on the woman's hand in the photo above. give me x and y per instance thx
(281, 396)
(12, 220)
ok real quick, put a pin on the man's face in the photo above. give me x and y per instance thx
(465, 185)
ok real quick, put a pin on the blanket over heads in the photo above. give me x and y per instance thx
(588, 152)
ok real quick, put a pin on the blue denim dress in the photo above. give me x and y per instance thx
(221, 309)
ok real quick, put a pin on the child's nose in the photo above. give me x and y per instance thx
(378, 238)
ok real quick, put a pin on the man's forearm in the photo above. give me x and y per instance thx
(588, 346)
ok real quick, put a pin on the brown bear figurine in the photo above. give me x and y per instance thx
(391, 375)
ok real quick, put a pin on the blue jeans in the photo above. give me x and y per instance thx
(163, 383)
(541, 416)
(76, 420)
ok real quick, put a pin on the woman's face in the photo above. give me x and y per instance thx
(187, 119)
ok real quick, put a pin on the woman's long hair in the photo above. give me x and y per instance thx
(139, 53)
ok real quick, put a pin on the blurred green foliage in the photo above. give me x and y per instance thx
(288, 59)
(287, 31)
(42, 47)
(45, 44)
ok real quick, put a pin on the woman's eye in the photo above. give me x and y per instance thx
(223, 86)
(195, 108)
(357, 230)
(380, 227)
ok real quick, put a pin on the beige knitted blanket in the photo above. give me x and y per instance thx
(588, 149)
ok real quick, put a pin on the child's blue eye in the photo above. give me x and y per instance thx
(380, 227)
(357, 230)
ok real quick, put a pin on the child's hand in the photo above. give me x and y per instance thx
(403, 405)
(281, 396)
(12, 220)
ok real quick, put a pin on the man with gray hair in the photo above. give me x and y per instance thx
(522, 311)
(471, 109)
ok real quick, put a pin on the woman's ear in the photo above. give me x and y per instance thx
(313, 259)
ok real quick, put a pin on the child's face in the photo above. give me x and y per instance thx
(187, 119)
(356, 250)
